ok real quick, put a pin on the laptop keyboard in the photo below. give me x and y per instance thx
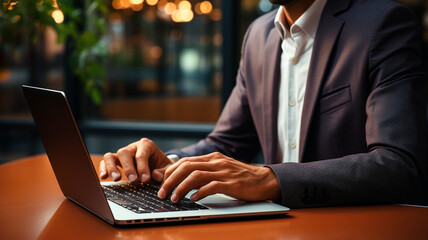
(143, 199)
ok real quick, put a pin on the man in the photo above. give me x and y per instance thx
(331, 91)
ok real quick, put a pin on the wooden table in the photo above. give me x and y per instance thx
(33, 207)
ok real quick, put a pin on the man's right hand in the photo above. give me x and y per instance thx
(140, 161)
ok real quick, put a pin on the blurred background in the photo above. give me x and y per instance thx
(161, 69)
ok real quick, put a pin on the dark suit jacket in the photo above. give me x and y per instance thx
(363, 129)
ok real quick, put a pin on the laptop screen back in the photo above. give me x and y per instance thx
(66, 150)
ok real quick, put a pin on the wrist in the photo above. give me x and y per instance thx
(272, 187)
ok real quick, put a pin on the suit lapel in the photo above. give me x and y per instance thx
(271, 70)
(329, 29)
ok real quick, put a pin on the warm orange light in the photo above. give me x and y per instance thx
(156, 52)
(125, 4)
(182, 16)
(206, 7)
(187, 15)
(58, 16)
(54, 3)
(198, 8)
(136, 2)
(11, 5)
(152, 2)
(116, 4)
(161, 5)
(176, 17)
(170, 8)
(5, 75)
(216, 15)
(185, 5)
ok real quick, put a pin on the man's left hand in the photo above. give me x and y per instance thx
(217, 173)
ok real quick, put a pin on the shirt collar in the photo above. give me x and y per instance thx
(308, 22)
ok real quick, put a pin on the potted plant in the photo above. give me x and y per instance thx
(79, 24)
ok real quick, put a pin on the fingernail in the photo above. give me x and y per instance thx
(132, 177)
(144, 177)
(114, 175)
(102, 174)
(174, 198)
(194, 197)
(161, 193)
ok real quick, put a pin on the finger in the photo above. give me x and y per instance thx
(181, 172)
(158, 174)
(186, 160)
(126, 157)
(142, 155)
(103, 170)
(111, 163)
(195, 180)
(210, 189)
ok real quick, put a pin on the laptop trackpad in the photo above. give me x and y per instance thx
(221, 201)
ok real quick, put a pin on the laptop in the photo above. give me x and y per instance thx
(118, 203)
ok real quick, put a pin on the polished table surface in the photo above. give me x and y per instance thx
(33, 207)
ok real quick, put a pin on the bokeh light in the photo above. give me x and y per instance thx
(185, 5)
(170, 8)
(58, 16)
(125, 4)
(136, 2)
(156, 52)
(216, 15)
(152, 2)
(175, 10)
(206, 7)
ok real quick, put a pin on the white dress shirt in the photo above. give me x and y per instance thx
(297, 43)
